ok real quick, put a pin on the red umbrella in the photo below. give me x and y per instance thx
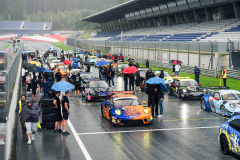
(176, 61)
(129, 70)
(67, 62)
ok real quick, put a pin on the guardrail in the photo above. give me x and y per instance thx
(233, 74)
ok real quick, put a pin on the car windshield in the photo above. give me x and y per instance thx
(188, 84)
(126, 102)
(63, 67)
(231, 96)
(99, 84)
(87, 76)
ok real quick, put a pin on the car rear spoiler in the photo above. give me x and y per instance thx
(217, 87)
(121, 93)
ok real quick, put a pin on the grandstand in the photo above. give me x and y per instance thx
(25, 27)
(180, 20)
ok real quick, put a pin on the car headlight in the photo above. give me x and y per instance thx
(232, 106)
(184, 90)
(119, 69)
(92, 92)
(118, 112)
(204, 90)
(146, 110)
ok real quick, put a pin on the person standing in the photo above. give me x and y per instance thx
(58, 109)
(65, 112)
(224, 76)
(100, 71)
(47, 87)
(147, 64)
(151, 97)
(40, 86)
(105, 73)
(28, 79)
(21, 104)
(77, 83)
(112, 75)
(149, 74)
(125, 81)
(160, 96)
(173, 70)
(30, 115)
(34, 83)
(23, 76)
(58, 76)
(197, 73)
(177, 69)
(75, 64)
(109, 75)
(88, 68)
(131, 82)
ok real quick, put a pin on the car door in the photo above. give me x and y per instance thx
(176, 88)
(216, 103)
(234, 129)
(210, 99)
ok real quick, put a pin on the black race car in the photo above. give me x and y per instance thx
(86, 77)
(96, 90)
(186, 88)
(120, 67)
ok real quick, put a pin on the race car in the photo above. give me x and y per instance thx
(86, 77)
(93, 59)
(50, 59)
(224, 102)
(99, 59)
(186, 88)
(120, 67)
(63, 70)
(229, 134)
(126, 110)
(96, 90)
(54, 62)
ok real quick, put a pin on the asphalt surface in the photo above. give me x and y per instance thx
(184, 132)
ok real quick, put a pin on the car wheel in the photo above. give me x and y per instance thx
(86, 98)
(178, 95)
(223, 111)
(203, 105)
(224, 145)
(102, 110)
(169, 91)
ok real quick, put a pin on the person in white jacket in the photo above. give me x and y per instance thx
(28, 79)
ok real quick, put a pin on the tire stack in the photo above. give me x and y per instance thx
(48, 114)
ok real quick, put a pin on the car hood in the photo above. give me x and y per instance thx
(236, 102)
(134, 111)
(195, 89)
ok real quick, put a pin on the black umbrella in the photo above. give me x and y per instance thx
(116, 55)
(32, 70)
(26, 64)
(33, 66)
(30, 53)
(86, 62)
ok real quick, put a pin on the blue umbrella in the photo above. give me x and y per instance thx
(47, 71)
(75, 50)
(52, 48)
(62, 86)
(41, 69)
(75, 59)
(81, 52)
(101, 63)
(158, 81)
(24, 51)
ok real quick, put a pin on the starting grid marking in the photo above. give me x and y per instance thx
(150, 130)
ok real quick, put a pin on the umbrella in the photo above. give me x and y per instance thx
(115, 55)
(158, 81)
(86, 62)
(129, 70)
(51, 48)
(75, 59)
(47, 71)
(32, 62)
(27, 64)
(24, 51)
(32, 70)
(33, 66)
(176, 61)
(75, 50)
(101, 63)
(41, 69)
(67, 62)
(62, 86)
(30, 53)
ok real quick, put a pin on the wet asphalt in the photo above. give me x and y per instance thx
(184, 132)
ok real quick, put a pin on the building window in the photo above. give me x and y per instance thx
(142, 12)
(163, 6)
(171, 5)
(148, 10)
(136, 13)
(182, 2)
(131, 14)
(155, 9)
(126, 15)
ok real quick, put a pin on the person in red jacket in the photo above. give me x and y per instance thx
(122, 58)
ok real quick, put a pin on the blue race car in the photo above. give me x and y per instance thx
(224, 102)
(229, 134)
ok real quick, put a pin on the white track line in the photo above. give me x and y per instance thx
(150, 130)
(80, 143)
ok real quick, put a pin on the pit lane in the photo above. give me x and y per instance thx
(184, 132)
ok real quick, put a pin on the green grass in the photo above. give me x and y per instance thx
(7, 45)
(206, 81)
(61, 46)
(86, 35)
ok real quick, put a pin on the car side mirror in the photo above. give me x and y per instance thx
(144, 102)
(200, 84)
(216, 98)
(175, 85)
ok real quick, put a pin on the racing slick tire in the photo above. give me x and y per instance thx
(49, 117)
(47, 102)
(203, 104)
(48, 125)
(224, 144)
(223, 111)
(48, 110)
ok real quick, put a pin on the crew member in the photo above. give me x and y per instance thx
(22, 103)
(224, 76)
(197, 73)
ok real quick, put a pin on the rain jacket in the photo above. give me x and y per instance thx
(30, 114)
(196, 71)
(47, 84)
(34, 82)
(147, 64)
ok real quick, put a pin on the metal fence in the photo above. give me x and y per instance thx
(9, 67)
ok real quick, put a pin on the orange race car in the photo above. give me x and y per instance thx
(125, 109)
(63, 70)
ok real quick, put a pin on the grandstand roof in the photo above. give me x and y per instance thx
(119, 11)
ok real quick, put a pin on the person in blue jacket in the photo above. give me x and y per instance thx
(197, 73)
(75, 64)
(47, 86)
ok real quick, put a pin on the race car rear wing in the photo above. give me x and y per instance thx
(217, 87)
(121, 93)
